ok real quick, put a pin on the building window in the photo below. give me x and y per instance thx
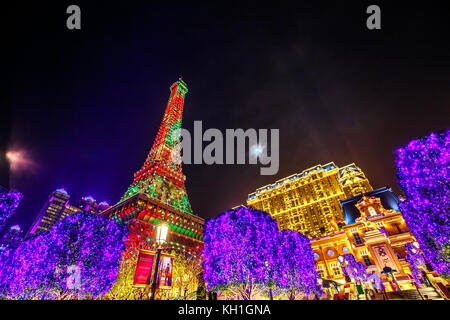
(372, 211)
(357, 238)
(321, 273)
(316, 256)
(337, 272)
(345, 249)
(330, 252)
(367, 261)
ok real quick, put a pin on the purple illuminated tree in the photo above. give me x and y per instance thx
(348, 265)
(240, 251)
(78, 258)
(245, 254)
(5, 267)
(423, 173)
(296, 269)
(352, 268)
(9, 201)
(361, 272)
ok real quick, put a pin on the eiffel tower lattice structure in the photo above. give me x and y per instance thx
(158, 192)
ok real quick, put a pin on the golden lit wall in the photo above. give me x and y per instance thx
(359, 239)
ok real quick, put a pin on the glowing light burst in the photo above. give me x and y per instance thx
(257, 150)
(19, 160)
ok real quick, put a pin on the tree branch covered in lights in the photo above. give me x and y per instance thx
(123, 289)
(186, 271)
(415, 259)
(352, 268)
(78, 258)
(244, 253)
(423, 173)
(296, 270)
(9, 201)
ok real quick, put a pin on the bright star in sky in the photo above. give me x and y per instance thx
(18, 160)
(257, 150)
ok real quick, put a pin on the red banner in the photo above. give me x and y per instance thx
(142, 275)
(165, 271)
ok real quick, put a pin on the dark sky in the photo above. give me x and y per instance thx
(86, 105)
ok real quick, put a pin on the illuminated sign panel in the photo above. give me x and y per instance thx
(142, 275)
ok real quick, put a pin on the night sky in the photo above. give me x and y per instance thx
(86, 105)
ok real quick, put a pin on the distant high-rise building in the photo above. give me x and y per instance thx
(57, 207)
(87, 204)
(309, 201)
(102, 206)
(353, 181)
(11, 238)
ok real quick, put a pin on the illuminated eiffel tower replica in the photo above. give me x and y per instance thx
(158, 192)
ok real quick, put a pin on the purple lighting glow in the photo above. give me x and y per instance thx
(9, 201)
(42, 267)
(244, 252)
(423, 173)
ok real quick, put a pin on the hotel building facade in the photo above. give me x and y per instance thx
(309, 201)
(377, 238)
(340, 212)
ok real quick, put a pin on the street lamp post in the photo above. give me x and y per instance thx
(161, 238)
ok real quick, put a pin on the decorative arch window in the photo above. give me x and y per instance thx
(372, 211)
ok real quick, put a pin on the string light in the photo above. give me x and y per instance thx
(9, 201)
(423, 173)
(41, 266)
(415, 259)
(243, 246)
